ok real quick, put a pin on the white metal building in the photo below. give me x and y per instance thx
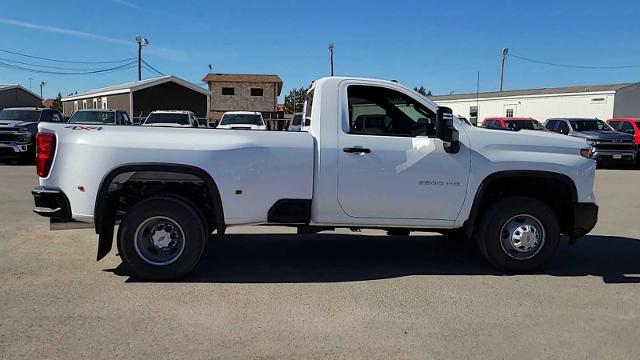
(596, 101)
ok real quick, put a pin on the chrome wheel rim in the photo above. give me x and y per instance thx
(159, 240)
(522, 237)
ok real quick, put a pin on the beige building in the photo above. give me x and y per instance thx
(243, 92)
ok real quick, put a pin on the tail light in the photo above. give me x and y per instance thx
(45, 149)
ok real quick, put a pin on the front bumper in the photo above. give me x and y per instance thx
(14, 149)
(51, 203)
(585, 216)
(613, 155)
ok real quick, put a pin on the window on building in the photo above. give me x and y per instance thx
(104, 103)
(509, 113)
(228, 91)
(256, 92)
(473, 114)
(84, 104)
(381, 111)
(95, 103)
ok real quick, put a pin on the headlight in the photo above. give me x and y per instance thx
(25, 136)
(586, 153)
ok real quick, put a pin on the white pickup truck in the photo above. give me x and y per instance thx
(377, 155)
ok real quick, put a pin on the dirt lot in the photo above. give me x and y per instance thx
(266, 293)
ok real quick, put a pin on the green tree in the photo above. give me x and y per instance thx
(57, 102)
(422, 90)
(294, 101)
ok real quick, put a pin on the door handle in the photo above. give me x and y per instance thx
(356, 150)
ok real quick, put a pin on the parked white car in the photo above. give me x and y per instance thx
(296, 122)
(171, 118)
(242, 120)
(377, 155)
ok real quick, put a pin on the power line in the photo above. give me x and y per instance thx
(66, 61)
(152, 68)
(572, 66)
(40, 71)
(45, 66)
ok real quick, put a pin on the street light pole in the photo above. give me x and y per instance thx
(331, 56)
(30, 83)
(42, 84)
(141, 42)
(505, 52)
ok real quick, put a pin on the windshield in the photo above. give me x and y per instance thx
(589, 125)
(93, 117)
(523, 124)
(20, 115)
(297, 119)
(167, 118)
(245, 119)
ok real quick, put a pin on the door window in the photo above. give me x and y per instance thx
(615, 124)
(385, 112)
(626, 127)
(563, 128)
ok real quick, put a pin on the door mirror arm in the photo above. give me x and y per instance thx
(446, 131)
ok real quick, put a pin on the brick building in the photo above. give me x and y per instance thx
(243, 92)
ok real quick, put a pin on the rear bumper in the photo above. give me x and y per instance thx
(585, 216)
(51, 203)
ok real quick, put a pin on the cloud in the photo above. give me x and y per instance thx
(167, 53)
(127, 4)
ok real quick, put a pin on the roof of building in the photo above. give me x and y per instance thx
(136, 85)
(217, 77)
(541, 91)
(4, 87)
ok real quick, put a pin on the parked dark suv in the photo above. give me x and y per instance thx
(100, 117)
(608, 144)
(18, 128)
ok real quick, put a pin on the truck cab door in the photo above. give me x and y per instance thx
(390, 164)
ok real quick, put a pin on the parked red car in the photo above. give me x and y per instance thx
(629, 126)
(513, 123)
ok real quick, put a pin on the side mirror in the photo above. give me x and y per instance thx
(446, 131)
(307, 122)
(630, 131)
(564, 131)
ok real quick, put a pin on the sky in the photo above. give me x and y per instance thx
(440, 45)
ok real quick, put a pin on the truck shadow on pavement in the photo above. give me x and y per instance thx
(290, 258)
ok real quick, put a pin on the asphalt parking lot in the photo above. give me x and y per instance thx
(266, 293)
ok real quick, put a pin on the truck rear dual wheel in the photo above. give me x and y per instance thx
(162, 238)
(519, 234)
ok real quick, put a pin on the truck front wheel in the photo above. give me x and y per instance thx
(519, 234)
(161, 238)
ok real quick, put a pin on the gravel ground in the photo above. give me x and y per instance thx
(266, 293)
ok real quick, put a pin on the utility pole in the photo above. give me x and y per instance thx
(505, 52)
(42, 84)
(331, 56)
(141, 42)
(30, 83)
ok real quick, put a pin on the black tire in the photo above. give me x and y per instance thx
(183, 257)
(518, 208)
(398, 232)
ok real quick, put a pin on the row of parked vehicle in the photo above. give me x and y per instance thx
(617, 139)
(19, 125)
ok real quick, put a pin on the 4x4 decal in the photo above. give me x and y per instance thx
(82, 127)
